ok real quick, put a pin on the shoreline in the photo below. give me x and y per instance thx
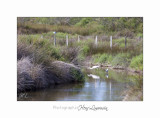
(118, 68)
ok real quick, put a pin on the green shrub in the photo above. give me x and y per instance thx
(110, 58)
(96, 58)
(81, 57)
(140, 35)
(122, 45)
(137, 62)
(77, 74)
(102, 58)
(85, 50)
(121, 59)
(83, 22)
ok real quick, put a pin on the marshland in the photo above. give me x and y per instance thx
(80, 58)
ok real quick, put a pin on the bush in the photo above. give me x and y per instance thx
(96, 58)
(140, 35)
(81, 57)
(69, 53)
(122, 59)
(85, 50)
(83, 22)
(102, 58)
(137, 62)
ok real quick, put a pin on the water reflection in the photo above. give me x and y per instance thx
(98, 87)
(110, 89)
(107, 75)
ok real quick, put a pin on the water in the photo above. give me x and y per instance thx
(99, 86)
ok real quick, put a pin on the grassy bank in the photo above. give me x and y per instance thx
(43, 51)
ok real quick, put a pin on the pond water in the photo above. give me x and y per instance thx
(98, 86)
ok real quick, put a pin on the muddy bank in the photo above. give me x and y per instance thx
(133, 94)
(31, 76)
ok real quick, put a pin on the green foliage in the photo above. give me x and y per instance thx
(85, 50)
(120, 40)
(83, 26)
(81, 57)
(121, 59)
(96, 58)
(41, 20)
(137, 62)
(95, 28)
(140, 35)
(140, 28)
(83, 22)
(76, 73)
(102, 58)
(74, 20)
(43, 52)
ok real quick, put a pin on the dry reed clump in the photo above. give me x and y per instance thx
(39, 55)
(70, 54)
(30, 76)
(23, 49)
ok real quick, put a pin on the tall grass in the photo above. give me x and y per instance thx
(29, 28)
(121, 59)
(137, 62)
(43, 51)
(102, 58)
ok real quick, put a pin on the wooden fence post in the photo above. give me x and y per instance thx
(125, 41)
(54, 38)
(96, 41)
(111, 42)
(78, 38)
(67, 40)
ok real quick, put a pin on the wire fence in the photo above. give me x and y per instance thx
(112, 41)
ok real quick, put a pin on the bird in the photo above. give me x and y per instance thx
(107, 70)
